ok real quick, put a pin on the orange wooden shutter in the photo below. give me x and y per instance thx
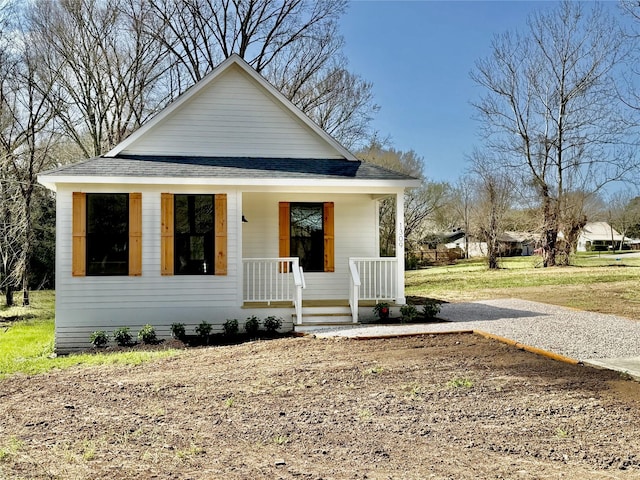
(135, 234)
(166, 234)
(221, 234)
(329, 263)
(79, 234)
(284, 248)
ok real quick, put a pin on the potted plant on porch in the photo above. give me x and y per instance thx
(381, 309)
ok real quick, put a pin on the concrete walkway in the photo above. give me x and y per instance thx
(605, 341)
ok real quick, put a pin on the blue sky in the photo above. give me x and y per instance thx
(418, 55)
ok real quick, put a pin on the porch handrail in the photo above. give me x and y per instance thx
(354, 290)
(298, 280)
(378, 276)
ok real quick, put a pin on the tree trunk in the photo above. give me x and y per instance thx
(28, 245)
(550, 230)
(25, 291)
(8, 295)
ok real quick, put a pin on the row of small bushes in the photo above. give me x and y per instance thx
(147, 334)
(123, 337)
(271, 325)
(409, 313)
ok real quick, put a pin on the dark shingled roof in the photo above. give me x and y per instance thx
(226, 167)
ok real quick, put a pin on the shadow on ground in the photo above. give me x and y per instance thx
(470, 311)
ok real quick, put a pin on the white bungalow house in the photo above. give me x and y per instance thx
(229, 203)
(599, 236)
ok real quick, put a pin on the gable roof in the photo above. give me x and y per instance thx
(286, 113)
(600, 231)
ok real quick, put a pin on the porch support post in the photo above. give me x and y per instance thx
(400, 298)
(238, 225)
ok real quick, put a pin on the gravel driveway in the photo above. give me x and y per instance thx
(581, 335)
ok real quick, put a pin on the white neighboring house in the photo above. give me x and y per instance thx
(511, 244)
(599, 236)
(229, 203)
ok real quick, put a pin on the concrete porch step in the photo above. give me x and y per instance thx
(310, 327)
(335, 310)
(325, 312)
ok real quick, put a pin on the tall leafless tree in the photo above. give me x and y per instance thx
(551, 111)
(493, 195)
(26, 137)
(105, 69)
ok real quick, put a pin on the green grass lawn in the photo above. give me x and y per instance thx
(592, 282)
(27, 341)
(520, 272)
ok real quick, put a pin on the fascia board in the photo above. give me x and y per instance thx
(50, 181)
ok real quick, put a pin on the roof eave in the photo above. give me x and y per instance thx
(52, 181)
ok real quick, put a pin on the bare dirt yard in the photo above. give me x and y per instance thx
(444, 407)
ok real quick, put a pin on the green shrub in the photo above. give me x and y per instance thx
(204, 331)
(230, 327)
(178, 331)
(99, 338)
(122, 336)
(431, 308)
(147, 334)
(252, 325)
(272, 324)
(411, 262)
(408, 312)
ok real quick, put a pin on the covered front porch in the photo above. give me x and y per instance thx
(280, 283)
(348, 278)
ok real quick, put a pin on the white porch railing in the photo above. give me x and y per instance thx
(378, 278)
(273, 280)
(372, 279)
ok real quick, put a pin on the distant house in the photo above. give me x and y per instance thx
(599, 236)
(511, 243)
(229, 203)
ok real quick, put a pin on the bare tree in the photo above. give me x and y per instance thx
(26, 137)
(105, 69)
(551, 113)
(460, 205)
(11, 234)
(493, 195)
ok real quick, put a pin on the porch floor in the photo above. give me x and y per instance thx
(312, 303)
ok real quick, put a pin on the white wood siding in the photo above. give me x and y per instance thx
(234, 116)
(355, 235)
(86, 304)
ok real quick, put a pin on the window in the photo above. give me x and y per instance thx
(194, 234)
(306, 232)
(106, 234)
